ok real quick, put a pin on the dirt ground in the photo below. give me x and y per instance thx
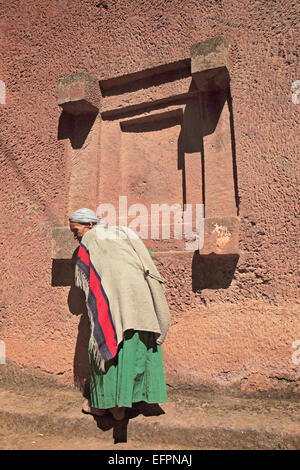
(38, 413)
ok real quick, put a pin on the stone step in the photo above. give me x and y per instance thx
(190, 420)
(38, 410)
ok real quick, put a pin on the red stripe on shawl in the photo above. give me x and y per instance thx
(83, 255)
(103, 313)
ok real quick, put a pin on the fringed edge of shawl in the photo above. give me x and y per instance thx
(82, 282)
(99, 361)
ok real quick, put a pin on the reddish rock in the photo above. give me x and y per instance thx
(209, 64)
(234, 150)
(79, 93)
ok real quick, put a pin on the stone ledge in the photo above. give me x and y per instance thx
(63, 244)
(160, 94)
(191, 419)
(209, 64)
(109, 85)
(221, 236)
(79, 93)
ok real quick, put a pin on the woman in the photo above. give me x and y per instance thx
(128, 312)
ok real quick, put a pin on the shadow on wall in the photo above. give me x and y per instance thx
(213, 271)
(200, 119)
(76, 128)
(63, 274)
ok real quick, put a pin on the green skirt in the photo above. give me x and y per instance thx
(135, 374)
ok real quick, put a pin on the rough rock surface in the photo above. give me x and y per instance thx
(229, 330)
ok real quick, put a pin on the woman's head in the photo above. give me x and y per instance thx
(81, 222)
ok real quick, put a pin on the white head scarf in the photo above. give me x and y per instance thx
(84, 216)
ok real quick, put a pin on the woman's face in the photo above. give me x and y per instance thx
(79, 229)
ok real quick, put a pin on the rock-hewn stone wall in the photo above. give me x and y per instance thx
(40, 43)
